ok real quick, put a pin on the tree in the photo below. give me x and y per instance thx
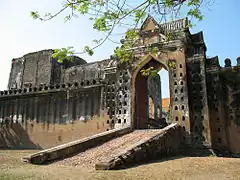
(107, 15)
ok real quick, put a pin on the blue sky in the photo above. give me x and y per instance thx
(20, 34)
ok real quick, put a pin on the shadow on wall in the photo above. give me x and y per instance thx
(14, 136)
(33, 135)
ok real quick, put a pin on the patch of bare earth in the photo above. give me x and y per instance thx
(186, 168)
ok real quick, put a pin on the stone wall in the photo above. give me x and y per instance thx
(38, 68)
(230, 80)
(197, 85)
(217, 112)
(50, 115)
(33, 135)
(223, 97)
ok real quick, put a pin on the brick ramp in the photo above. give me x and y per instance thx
(127, 149)
(74, 147)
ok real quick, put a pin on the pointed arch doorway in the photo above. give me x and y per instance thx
(140, 100)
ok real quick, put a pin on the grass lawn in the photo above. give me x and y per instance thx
(12, 168)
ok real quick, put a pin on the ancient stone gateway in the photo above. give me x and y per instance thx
(48, 103)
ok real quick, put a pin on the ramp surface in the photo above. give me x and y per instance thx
(109, 149)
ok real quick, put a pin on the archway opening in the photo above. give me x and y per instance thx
(148, 109)
(165, 95)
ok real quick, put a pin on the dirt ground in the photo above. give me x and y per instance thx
(12, 168)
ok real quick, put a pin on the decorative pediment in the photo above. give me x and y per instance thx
(149, 24)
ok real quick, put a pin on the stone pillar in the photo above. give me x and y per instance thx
(83, 105)
(39, 116)
(20, 111)
(15, 113)
(74, 100)
(91, 104)
(28, 108)
(78, 106)
(25, 109)
(6, 108)
(58, 109)
(10, 109)
(47, 111)
(96, 105)
(31, 108)
(45, 108)
(52, 110)
(17, 108)
(36, 109)
(69, 108)
(102, 102)
(1, 110)
(87, 104)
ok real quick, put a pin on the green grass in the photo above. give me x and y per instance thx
(12, 168)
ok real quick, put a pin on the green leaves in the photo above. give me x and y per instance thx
(63, 53)
(108, 15)
(196, 13)
(149, 72)
(140, 14)
(124, 53)
(168, 3)
(101, 24)
(35, 15)
(88, 50)
(83, 7)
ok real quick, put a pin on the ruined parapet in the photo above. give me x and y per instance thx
(34, 69)
(84, 84)
(212, 64)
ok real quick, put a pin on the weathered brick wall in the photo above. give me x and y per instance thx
(230, 80)
(89, 72)
(33, 135)
(48, 116)
(16, 73)
(197, 92)
(39, 68)
(217, 112)
(223, 98)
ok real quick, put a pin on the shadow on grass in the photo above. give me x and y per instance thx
(150, 161)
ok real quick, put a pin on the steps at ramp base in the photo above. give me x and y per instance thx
(165, 143)
(69, 149)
